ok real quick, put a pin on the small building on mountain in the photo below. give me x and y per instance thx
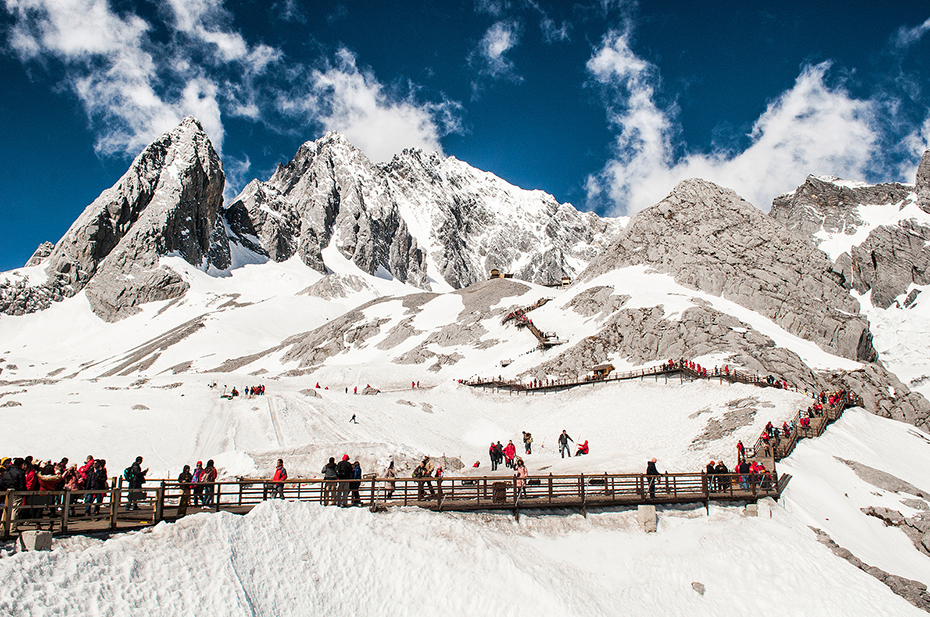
(601, 371)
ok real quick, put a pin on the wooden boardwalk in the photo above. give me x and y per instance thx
(159, 501)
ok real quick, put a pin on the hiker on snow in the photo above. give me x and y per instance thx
(563, 444)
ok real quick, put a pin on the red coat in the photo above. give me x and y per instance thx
(510, 451)
(280, 475)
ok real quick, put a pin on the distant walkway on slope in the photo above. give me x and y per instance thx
(684, 369)
(546, 339)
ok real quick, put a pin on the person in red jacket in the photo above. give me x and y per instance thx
(582, 448)
(280, 475)
(510, 451)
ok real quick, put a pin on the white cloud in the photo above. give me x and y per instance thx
(351, 101)
(905, 37)
(489, 58)
(811, 128)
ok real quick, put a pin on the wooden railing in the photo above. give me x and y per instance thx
(161, 502)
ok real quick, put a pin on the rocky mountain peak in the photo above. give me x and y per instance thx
(166, 202)
(923, 182)
(708, 238)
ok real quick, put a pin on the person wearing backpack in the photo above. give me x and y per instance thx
(96, 480)
(135, 476)
(196, 479)
(184, 480)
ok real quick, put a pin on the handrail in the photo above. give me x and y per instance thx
(169, 500)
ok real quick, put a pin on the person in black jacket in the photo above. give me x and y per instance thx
(344, 473)
(95, 480)
(15, 479)
(652, 473)
(136, 478)
(184, 479)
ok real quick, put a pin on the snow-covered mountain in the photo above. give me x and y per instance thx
(344, 273)
(425, 220)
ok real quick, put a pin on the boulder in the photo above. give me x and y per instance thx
(646, 515)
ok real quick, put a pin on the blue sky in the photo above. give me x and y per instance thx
(605, 104)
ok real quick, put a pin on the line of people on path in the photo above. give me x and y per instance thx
(349, 476)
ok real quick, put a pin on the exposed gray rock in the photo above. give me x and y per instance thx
(645, 335)
(44, 250)
(140, 407)
(597, 300)
(335, 286)
(883, 479)
(698, 587)
(822, 203)
(914, 592)
(740, 413)
(883, 394)
(311, 392)
(167, 202)
(12, 404)
(708, 238)
(368, 390)
(331, 194)
(922, 184)
(891, 258)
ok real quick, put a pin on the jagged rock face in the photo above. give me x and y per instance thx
(44, 250)
(824, 204)
(416, 214)
(890, 259)
(710, 239)
(167, 202)
(883, 394)
(893, 256)
(923, 182)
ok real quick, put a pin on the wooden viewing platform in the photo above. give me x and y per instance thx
(461, 494)
(663, 370)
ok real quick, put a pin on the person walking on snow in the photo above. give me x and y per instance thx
(528, 442)
(510, 451)
(492, 452)
(353, 420)
(563, 444)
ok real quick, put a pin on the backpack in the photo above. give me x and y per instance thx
(418, 472)
(128, 475)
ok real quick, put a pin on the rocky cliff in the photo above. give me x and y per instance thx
(421, 216)
(708, 238)
(166, 203)
(894, 253)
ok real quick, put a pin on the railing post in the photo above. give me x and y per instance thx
(65, 507)
(160, 502)
(581, 480)
(550, 487)
(115, 497)
(8, 513)
(218, 493)
(241, 484)
(373, 492)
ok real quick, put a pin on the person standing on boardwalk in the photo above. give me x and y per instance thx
(356, 483)
(136, 478)
(280, 475)
(329, 487)
(196, 479)
(521, 474)
(652, 473)
(344, 473)
(563, 444)
(208, 478)
(184, 479)
(389, 482)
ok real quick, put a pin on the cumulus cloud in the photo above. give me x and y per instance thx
(344, 98)
(811, 128)
(490, 56)
(134, 88)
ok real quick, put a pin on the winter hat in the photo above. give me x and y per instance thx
(199, 463)
(345, 457)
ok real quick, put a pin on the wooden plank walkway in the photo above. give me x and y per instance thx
(460, 494)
